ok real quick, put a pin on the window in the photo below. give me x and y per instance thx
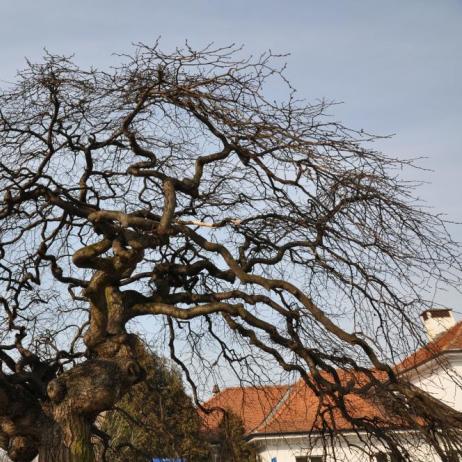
(380, 457)
(454, 456)
(384, 457)
(309, 459)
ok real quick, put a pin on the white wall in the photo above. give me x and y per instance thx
(286, 449)
(3, 456)
(442, 378)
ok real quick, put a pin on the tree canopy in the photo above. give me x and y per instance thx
(173, 186)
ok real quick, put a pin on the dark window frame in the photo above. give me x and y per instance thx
(382, 456)
(310, 458)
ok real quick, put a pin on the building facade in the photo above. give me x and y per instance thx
(278, 421)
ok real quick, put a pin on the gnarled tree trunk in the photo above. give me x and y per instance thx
(59, 428)
(54, 449)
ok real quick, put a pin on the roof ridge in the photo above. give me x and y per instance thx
(445, 342)
(457, 328)
(289, 396)
(276, 407)
(253, 387)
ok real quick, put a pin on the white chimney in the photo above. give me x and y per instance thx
(437, 321)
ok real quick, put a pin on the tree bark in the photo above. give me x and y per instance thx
(79, 447)
(59, 427)
(76, 398)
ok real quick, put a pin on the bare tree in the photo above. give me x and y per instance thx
(172, 187)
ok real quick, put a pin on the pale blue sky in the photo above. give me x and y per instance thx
(397, 66)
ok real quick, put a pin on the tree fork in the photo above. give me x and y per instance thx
(77, 397)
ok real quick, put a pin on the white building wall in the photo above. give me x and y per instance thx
(286, 449)
(442, 378)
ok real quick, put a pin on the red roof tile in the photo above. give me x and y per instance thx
(291, 409)
(250, 404)
(449, 341)
(302, 410)
(284, 409)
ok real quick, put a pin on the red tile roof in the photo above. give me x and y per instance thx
(451, 340)
(302, 410)
(250, 404)
(287, 409)
(291, 409)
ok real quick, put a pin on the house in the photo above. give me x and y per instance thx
(282, 422)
